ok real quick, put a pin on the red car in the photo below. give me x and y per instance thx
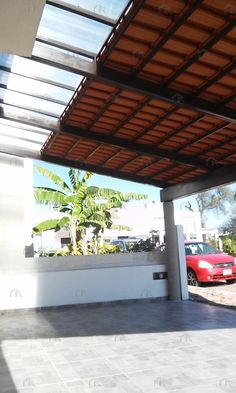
(206, 264)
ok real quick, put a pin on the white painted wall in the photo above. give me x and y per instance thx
(19, 21)
(54, 288)
(12, 191)
(42, 282)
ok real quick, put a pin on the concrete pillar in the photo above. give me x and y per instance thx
(176, 263)
(182, 262)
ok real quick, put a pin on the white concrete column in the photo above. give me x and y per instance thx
(182, 262)
(176, 263)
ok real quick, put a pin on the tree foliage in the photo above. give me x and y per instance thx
(229, 246)
(216, 201)
(80, 206)
(230, 225)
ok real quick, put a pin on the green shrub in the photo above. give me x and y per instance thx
(229, 246)
(107, 248)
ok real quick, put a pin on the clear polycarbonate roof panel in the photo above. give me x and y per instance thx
(35, 88)
(33, 94)
(14, 124)
(39, 71)
(25, 137)
(75, 30)
(42, 89)
(26, 116)
(109, 8)
(22, 143)
(28, 102)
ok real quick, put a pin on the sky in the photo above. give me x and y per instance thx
(98, 180)
(152, 192)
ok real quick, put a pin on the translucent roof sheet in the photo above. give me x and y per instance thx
(31, 86)
(110, 9)
(33, 95)
(39, 71)
(22, 136)
(158, 98)
(76, 30)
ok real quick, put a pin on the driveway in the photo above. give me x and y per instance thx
(215, 293)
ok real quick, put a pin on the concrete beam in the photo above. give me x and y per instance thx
(219, 177)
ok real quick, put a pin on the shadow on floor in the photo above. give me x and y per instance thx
(109, 346)
(6, 382)
(132, 317)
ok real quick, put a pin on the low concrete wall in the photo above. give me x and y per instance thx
(43, 282)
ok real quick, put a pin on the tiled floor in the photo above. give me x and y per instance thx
(151, 347)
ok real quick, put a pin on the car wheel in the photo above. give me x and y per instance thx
(229, 282)
(192, 279)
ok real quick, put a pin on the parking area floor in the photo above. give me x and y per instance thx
(133, 347)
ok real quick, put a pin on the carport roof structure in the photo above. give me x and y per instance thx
(140, 90)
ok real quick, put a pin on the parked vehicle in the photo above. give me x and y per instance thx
(207, 264)
(125, 244)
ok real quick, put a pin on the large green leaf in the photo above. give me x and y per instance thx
(81, 193)
(76, 212)
(56, 224)
(64, 221)
(126, 197)
(69, 199)
(47, 196)
(74, 178)
(87, 176)
(102, 192)
(65, 209)
(46, 225)
(53, 177)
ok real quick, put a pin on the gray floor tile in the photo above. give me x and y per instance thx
(164, 347)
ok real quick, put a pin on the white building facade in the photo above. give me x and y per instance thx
(145, 219)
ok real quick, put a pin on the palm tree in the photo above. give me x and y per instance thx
(82, 206)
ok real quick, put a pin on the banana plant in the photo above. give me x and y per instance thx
(80, 206)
